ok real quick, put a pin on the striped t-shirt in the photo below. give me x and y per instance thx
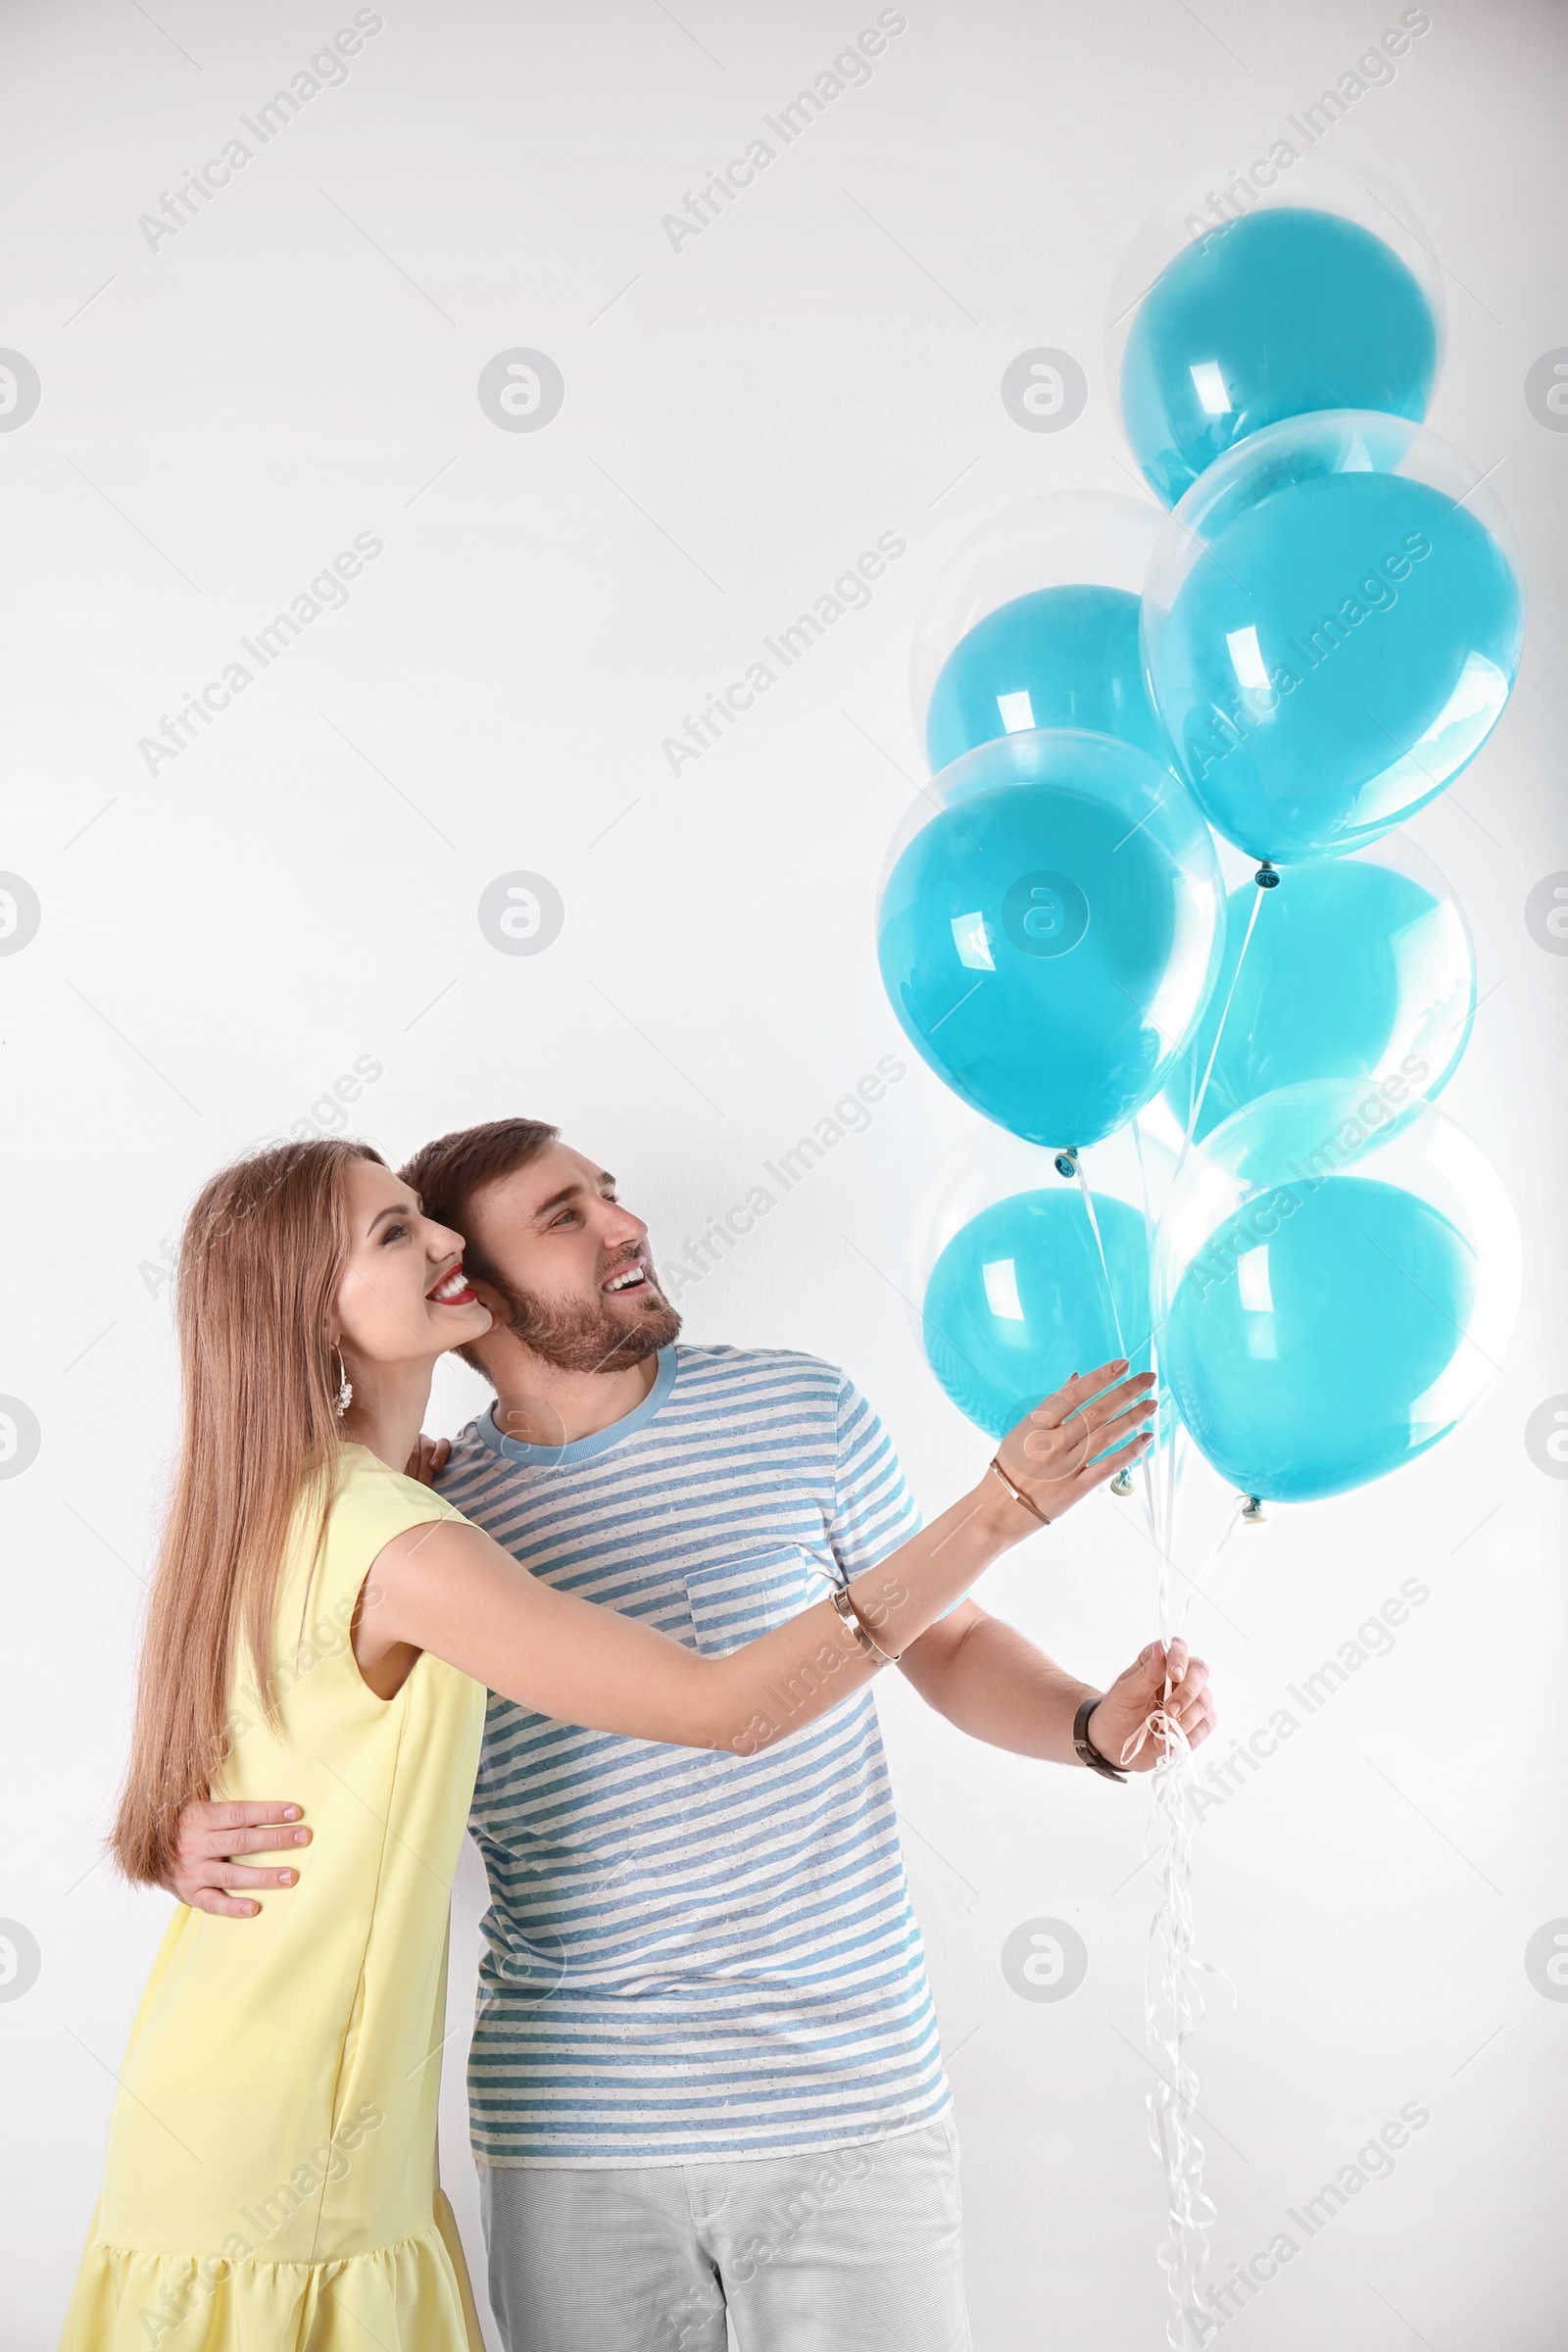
(689, 1955)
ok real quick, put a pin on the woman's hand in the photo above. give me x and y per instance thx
(428, 1459)
(1076, 1440)
(211, 1839)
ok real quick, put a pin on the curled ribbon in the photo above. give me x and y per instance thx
(1173, 2004)
(1173, 2010)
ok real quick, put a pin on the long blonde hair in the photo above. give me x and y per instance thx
(258, 1267)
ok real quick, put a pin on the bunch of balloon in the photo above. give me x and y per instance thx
(1331, 629)
(1313, 642)
(1050, 923)
(1050, 918)
(1050, 928)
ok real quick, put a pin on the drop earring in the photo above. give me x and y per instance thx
(345, 1385)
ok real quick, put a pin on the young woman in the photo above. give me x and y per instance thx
(320, 1622)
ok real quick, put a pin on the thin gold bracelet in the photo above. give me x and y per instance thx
(1018, 1492)
(853, 1619)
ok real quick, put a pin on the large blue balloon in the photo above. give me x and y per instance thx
(1329, 639)
(1356, 970)
(1368, 1292)
(1335, 1281)
(1056, 658)
(1018, 1303)
(1049, 935)
(1272, 315)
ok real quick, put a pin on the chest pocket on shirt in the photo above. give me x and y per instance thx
(732, 1602)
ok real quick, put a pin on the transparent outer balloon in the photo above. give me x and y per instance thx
(1008, 1294)
(1068, 539)
(1332, 625)
(1250, 180)
(988, 1165)
(1359, 967)
(1336, 1279)
(1049, 926)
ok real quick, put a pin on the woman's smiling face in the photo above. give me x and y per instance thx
(403, 1297)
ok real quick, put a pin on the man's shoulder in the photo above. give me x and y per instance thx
(725, 1375)
(716, 1361)
(468, 1440)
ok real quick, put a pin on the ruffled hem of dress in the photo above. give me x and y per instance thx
(405, 2297)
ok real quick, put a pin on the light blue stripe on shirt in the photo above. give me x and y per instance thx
(689, 1955)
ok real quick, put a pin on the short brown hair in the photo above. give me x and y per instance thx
(447, 1173)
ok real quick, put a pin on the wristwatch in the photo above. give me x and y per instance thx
(1088, 1752)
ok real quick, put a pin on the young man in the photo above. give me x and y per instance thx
(705, 2073)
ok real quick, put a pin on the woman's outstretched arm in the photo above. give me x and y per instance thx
(447, 1587)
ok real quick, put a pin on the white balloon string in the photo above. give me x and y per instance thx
(1143, 1179)
(1213, 1052)
(1173, 2004)
(1173, 2007)
(1094, 1227)
(1174, 1461)
(1173, 2001)
(1167, 1434)
(1149, 1500)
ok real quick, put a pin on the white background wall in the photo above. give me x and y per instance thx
(298, 889)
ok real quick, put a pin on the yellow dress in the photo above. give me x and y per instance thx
(270, 2183)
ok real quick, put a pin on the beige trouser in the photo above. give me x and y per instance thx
(849, 2250)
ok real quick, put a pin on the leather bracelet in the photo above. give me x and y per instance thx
(1088, 1752)
(1018, 1492)
(856, 1625)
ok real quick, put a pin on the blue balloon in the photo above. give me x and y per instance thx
(1047, 938)
(1273, 315)
(1056, 658)
(1369, 1290)
(1339, 639)
(1335, 1281)
(1018, 1303)
(1354, 970)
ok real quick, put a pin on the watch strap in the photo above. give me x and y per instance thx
(1088, 1752)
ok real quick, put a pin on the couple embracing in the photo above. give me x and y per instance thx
(624, 1628)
